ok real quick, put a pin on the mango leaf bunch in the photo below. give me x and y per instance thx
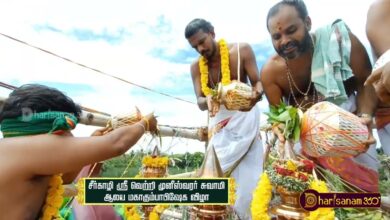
(286, 120)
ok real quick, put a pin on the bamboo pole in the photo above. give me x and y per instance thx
(100, 119)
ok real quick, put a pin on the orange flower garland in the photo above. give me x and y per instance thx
(54, 198)
(225, 68)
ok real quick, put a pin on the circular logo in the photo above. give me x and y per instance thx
(308, 200)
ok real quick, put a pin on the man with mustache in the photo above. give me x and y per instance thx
(234, 134)
(330, 64)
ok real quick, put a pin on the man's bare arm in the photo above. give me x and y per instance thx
(378, 30)
(272, 90)
(250, 67)
(378, 26)
(50, 154)
(361, 67)
(195, 74)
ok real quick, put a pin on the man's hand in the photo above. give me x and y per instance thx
(212, 105)
(101, 131)
(256, 96)
(151, 123)
(367, 120)
(380, 79)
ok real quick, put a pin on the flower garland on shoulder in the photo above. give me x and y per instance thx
(321, 213)
(54, 198)
(225, 68)
(261, 198)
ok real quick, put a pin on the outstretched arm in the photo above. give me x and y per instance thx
(49, 154)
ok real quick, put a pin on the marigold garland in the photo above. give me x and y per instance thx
(149, 161)
(156, 212)
(80, 190)
(54, 198)
(225, 68)
(321, 213)
(131, 212)
(261, 198)
(291, 165)
(232, 191)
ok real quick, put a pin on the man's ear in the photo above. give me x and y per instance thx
(308, 23)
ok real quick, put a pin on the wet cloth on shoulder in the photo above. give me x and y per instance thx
(331, 58)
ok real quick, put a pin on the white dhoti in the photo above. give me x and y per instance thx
(237, 142)
(384, 137)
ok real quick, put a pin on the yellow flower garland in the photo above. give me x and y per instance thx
(291, 165)
(157, 210)
(149, 161)
(225, 68)
(80, 190)
(321, 213)
(54, 198)
(232, 191)
(131, 212)
(261, 198)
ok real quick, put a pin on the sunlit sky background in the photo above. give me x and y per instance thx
(140, 41)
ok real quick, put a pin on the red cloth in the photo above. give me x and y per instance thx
(382, 117)
(355, 173)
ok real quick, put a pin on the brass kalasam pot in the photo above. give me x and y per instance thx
(289, 208)
(154, 172)
(208, 212)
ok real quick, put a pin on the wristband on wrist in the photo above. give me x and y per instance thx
(365, 115)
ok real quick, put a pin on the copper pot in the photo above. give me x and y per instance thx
(150, 172)
(289, 208)
(209, 212)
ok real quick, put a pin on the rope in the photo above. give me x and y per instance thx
(94, 69)
(11, 87)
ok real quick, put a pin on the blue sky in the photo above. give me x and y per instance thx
(140, 41)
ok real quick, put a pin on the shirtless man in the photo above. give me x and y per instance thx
(28, 162)
(234, 134)
(287, 75)
(378, 32)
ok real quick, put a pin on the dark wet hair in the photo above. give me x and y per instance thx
(299, 5)
(37, 98)
(198, 24)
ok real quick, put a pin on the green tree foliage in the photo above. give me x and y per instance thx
(179, 163)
